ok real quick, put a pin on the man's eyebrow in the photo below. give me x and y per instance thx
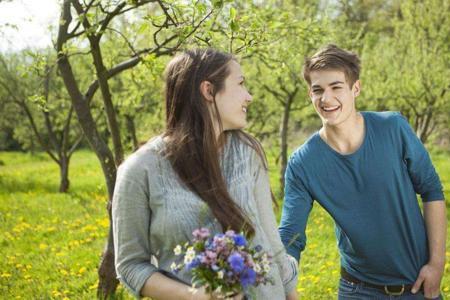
(317, 86)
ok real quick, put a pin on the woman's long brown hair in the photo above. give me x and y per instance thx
(192, 148)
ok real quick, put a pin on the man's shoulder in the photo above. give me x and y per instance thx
(383, 117)
(308, 151)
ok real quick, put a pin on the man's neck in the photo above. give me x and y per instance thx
(347, 137)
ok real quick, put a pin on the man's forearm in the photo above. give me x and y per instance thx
(436, 225)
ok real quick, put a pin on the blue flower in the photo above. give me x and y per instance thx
(240, 240)
(248, 277)
(236, 262)
(194, 263)
(258, 248)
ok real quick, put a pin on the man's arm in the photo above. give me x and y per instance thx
(436, 225)
(296, 208)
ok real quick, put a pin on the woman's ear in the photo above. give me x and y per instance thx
(206, 89)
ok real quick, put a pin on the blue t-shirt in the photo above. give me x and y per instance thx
(371, 195)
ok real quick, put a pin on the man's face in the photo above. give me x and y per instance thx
(332, 96)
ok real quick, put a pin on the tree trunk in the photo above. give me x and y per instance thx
(131, 128)
(107, 276)
(64, 174)
(284, 144)
(111, 117)
(107, 273)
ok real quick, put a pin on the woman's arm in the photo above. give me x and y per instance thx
(161, 287)
(131, 216)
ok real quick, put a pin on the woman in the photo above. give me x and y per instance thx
(202, 172)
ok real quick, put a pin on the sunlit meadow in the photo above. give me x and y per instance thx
(50, 243)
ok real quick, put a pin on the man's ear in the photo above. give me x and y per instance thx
(356, 88)
(310, 92)
(206, 89)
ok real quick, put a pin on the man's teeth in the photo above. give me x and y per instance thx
(244, 109)
(330, 108)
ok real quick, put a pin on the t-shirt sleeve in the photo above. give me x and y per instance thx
(420, 168)
(131, 216)
(296, 208)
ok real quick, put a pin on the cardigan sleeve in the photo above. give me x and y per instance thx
(131, 217)
(287, 265)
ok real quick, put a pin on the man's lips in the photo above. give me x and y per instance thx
(330, 108)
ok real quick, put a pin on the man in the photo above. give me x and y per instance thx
(365, 169)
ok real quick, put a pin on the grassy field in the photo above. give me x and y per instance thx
(50, 243)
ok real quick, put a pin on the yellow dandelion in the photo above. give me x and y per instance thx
(43, 246)
(51, 229)
(56, 293)
(103, 222)
(5, 275)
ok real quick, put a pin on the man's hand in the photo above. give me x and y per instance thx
(430, 278)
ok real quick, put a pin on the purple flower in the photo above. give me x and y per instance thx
(219, 243)
(201, 233)
(248, 277)
(209, 257)
(240, 240)
(236, 262)
(230, 233)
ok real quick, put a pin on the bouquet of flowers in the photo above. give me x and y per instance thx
(223, 264)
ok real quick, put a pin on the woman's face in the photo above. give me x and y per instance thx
(232, 101)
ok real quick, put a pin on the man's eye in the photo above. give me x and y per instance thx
(317, 91)
(336, 87)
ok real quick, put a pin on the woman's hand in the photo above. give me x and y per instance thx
(293, 295)
(202, 294)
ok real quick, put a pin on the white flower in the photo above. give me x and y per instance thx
(220, 274)
(257, 268)
(177, 250)
(190, 254)
(173, 266)
(266, 268)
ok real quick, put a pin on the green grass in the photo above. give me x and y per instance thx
(50, 243)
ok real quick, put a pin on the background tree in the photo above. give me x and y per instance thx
(33, 86)
(410, 70)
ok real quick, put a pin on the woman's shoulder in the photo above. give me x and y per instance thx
(247, 148)
(145, 158)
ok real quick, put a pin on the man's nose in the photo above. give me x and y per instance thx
(326, 96)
